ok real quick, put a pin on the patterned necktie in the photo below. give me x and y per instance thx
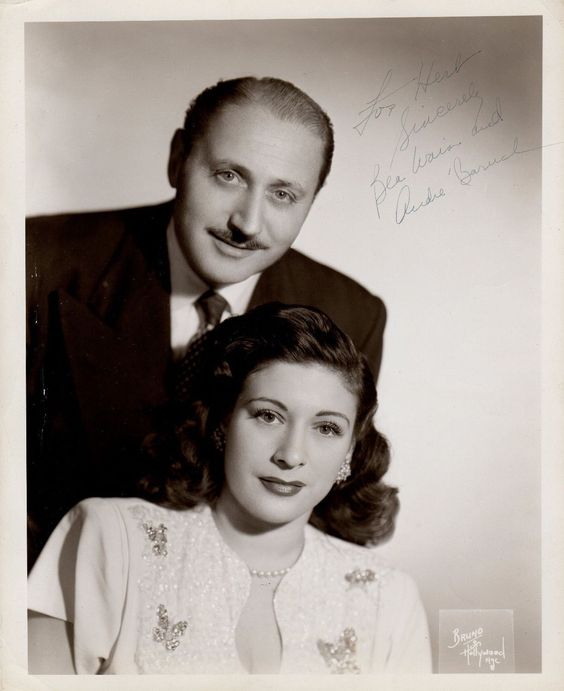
(210, 307)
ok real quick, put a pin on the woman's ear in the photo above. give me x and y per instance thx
(219, 434)
(218, 437)
(344, 471)
(176, 157)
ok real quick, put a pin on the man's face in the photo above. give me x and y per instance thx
(243, 192)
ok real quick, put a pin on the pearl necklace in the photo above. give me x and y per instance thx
(270, 574)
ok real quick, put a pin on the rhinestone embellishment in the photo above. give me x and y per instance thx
(340, 657)
(164, 633)
(360, 577)
(158, 537)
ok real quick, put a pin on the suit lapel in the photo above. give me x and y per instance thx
(277, 284)
(118, 343)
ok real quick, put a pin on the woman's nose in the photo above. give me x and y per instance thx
(291, 452)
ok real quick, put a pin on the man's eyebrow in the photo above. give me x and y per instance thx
(228, 163)
(295, 186)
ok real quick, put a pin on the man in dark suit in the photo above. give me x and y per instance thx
(114, 297)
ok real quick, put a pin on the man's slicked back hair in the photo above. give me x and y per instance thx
(281, 98)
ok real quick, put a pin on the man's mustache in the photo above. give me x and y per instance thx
(238, 239)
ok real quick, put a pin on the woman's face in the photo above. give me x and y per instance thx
(289, 432)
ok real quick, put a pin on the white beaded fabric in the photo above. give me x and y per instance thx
(339, 610)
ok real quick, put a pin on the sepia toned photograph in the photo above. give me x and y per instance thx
(283, 317)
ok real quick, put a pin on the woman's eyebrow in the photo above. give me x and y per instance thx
(264, 399)
(322, 413)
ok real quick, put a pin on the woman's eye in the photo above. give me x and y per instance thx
(328, 429)
(267, 416)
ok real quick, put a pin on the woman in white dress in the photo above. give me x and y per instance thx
(250, 551)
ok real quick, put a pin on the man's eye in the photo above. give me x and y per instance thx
(227, 176)
(283, 196)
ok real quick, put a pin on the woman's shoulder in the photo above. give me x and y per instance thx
(361, 564)
(134, 513)
(134, 506)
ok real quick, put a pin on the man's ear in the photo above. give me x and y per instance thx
(176, 157)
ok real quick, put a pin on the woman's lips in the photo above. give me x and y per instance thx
(281, 487)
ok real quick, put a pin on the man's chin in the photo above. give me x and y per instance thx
(226, 273)
(221, 269)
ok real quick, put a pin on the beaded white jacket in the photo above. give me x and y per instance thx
(152, 590)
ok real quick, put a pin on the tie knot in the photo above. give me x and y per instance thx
(210, 307)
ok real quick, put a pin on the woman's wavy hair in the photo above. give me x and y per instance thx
(185, 466)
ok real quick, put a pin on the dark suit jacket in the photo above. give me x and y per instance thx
(99, 345)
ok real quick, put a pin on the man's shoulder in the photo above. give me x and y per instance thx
(299, 280)
(60, 243)
(52, 240)
(302, 277)
(305, 265)
(92, 226)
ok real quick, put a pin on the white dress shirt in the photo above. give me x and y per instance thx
(186, 288)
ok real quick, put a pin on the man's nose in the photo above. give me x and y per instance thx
(291, 451)
(248, 212)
